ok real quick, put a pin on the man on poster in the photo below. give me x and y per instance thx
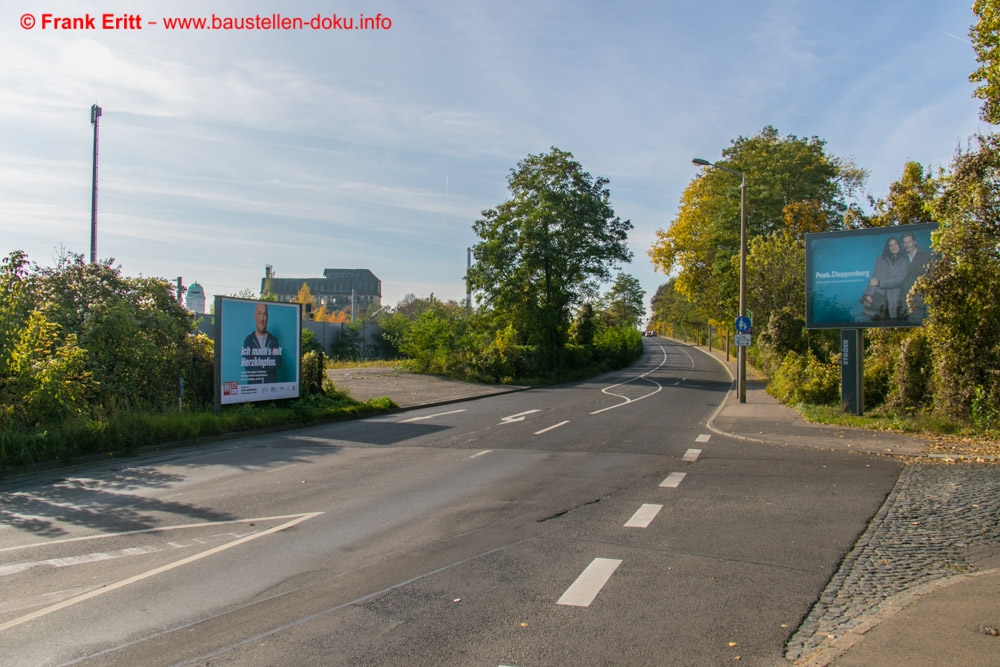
(918, 261)
(261, 354)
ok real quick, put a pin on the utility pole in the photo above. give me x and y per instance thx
(468, 285)
(95, 120)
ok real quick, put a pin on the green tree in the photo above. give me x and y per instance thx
(793, 187)
(910, 200)
(138, 339)
(673, 312)
(985, 36)
(962, 287)
(776, 272)
(625, 302)
(584, 326)
(538, 249)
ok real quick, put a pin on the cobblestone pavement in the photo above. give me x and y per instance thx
(940, 520)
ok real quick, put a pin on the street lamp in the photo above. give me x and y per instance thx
(741, 368)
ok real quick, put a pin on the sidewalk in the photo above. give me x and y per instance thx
(763, 419)
(942, 621)
(950, 620)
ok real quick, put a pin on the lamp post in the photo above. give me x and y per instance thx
(741, 372)
(95, 120)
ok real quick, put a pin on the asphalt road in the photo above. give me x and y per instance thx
(594, 523)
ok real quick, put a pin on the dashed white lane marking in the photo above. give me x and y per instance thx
(643, 516)
(673, 480)
(590, 582)
(439, 414)
(519, 417)
(150, 573)
(692, 455)
(478, 454)
(552, 428)
(703, 438)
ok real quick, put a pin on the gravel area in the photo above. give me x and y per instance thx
(940, 520)
(407, 389)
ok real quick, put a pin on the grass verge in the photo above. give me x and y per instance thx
(946, 437)
(123, 434)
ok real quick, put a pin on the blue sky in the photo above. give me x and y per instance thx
(221, 152)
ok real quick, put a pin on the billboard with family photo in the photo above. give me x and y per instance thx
(256, 350)
(864, 278)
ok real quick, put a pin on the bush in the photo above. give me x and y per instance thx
(911, 383)
(618, 346)
(805, 379)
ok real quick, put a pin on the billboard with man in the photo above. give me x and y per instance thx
(864, 278)
(256, 350)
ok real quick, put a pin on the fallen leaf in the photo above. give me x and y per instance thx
(733, 644)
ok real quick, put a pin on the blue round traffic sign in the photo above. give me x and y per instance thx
(743, 324)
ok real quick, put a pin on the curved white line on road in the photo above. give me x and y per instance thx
(151, 573)
(628, 400)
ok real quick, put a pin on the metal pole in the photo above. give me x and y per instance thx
(742, 380)
(468, 285)
(95, 120)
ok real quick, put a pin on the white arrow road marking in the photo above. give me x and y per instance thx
(519, 417)
(552, 428)
(643, 516)
(692, 455)
(440, 414)
(159, 570)
(589, 583)
(673, 480)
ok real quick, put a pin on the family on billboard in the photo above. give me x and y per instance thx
(896, 271)
(844, 290)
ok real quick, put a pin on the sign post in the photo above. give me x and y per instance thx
(852, 371)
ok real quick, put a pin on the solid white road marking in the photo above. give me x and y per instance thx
(146, 575)
(69, 561)
(519, 417)
(590, 582)
(643, 516)
(440, 414)
(478, 454)
(290, 465)
(703, 438)
(692, 455)
(309, 438)
(673, 480)
(659, 387)
(104, 536)
(553, 427)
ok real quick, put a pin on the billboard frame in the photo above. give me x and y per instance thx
(857, 270)
(243, 372)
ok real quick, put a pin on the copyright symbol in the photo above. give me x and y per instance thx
(27, 21)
